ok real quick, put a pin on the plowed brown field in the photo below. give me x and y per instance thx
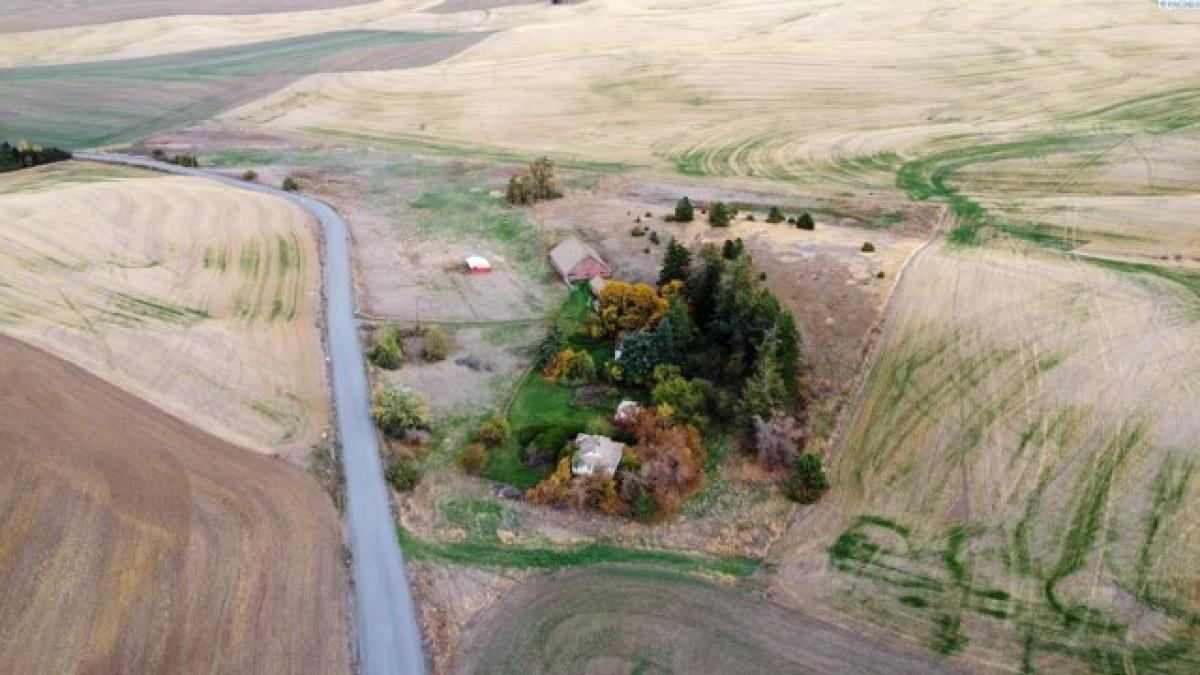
(135, 543)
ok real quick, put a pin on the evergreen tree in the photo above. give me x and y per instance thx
(805, 222)
(703, 283)
(719, 214)
(775, 216)
(735, 315)
(765, 391)
(733, 248)
(677, 262)
(685, 212)
(788, 352)
(676, 331)
(808, 483)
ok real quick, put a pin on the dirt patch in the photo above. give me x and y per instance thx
(136, 543)
(24, 15)
(449, 597)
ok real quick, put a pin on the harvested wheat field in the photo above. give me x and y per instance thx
(1017, 484)
(815, 98)
(200, 298)
(136, 543)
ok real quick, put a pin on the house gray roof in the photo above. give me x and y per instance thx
(570, 253)
(596, 456)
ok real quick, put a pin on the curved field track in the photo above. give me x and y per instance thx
(198, 297)
(615, 620)
(135, 543)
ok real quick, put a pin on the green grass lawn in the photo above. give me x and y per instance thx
(537, 403)
(494, 554)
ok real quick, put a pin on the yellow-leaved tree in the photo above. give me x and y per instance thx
(628, 307)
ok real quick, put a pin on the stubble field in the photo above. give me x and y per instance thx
(200, 298)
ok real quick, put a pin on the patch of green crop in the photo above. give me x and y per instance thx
(1157, 113)
(215, 258)
(142, 308)
(1169, 488)
(1187, 279)
(948, 637)
(929, 177)
(1085, 522)
(493, 554)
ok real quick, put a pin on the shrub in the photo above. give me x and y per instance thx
(545, 444)
(654, 238)
(573, 367)
(750, 217)
(775, 216)
(720, 215)
(290, 184)
(437, 344)
(778, 440)
(637, 231)
(733, 248)
(808, 483)
(519, 190)
(644, 509)
(403, 474)
(493, 432)
(649, 215)
(687, 399)
(472, 458)
(398, 410)
(158, 154)
(880, 274)
(249, 175)
(868, 247)
(805, 222)
(535, 184)
(685, 212)
(386, 352)
(553, 343)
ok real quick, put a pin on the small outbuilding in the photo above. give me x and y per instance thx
(576, 261)
(596, 456)
(477, 264)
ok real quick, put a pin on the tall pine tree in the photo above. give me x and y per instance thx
(677, 263)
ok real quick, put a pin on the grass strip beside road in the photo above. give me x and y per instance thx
(494, 554)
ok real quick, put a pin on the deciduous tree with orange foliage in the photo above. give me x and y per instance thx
(629, 307)
(670, 459)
